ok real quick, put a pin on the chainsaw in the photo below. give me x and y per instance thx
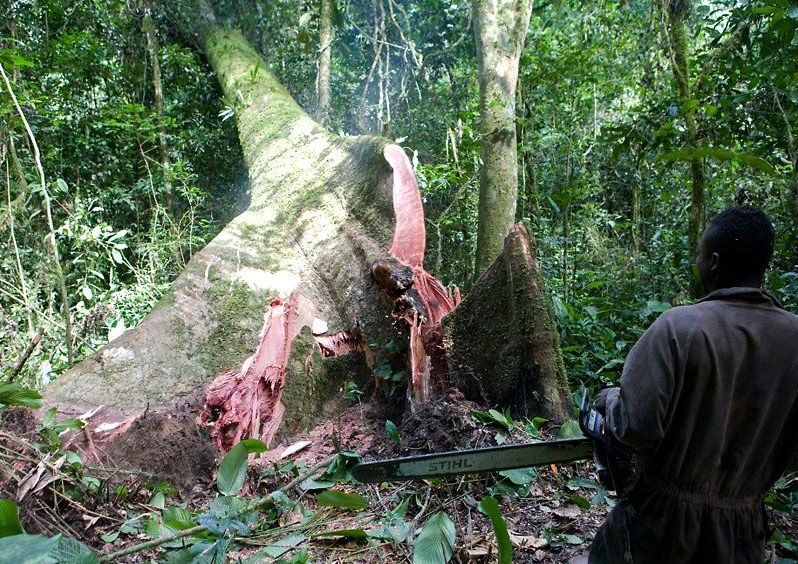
(614, 461)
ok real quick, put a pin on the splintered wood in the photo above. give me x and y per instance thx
(409, 243)
(245, 403)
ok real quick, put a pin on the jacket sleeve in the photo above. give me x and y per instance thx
(637, 411)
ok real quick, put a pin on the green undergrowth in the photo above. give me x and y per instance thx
(293, 511)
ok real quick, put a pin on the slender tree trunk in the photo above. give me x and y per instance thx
(326, 36)
(51, 239)
(152, 51)
(500, 27)
(792, 189)
(675, 12)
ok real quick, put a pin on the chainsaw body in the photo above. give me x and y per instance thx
(615, 462)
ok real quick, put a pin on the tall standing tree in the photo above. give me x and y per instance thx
(500, 28)
(326, 37)
(148, 27)
(674, 14)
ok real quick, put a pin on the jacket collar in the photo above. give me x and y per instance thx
(746, 294)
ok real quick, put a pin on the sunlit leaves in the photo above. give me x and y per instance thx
(233, 468)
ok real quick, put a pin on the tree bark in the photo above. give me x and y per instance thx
(500, 27)
(676, 11)
(152, 50)
(316, 234)
(326, 37)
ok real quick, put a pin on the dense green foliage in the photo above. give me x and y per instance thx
(125, 225)
(598, 110)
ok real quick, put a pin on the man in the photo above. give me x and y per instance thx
(709, 397)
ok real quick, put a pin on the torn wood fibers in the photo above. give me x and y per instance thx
(246, 403)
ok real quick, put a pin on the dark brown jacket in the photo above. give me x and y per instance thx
(709, 394)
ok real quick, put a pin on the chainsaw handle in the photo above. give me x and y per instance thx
(590, 420)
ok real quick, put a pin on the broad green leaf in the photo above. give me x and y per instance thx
(158, 500)
(492, 416)
(28, 549)
(282, 546)
(490, 507)
(340, 470)
(177, 518)
(721, 155)
(11, 59)
(233, 469)
(570, 430)
(313, 484)
(13, 394)
(580, 501)
(582, 483)
(337, 498)
(9, 519)
(71, 551)
(520, 476)
(435, 543)
(204, 552)
(393, 432)
(74, 424)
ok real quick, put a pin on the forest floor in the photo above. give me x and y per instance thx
(552, 513)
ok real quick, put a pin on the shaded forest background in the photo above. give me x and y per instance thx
(140, 175)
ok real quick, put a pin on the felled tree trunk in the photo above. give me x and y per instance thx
(280, 309)
(515, 362)
(320, 214)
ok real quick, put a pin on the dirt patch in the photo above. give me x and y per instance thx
(436, 426)
(19, 421)
(166, 442)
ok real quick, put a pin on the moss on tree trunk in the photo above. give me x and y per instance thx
(500, 27)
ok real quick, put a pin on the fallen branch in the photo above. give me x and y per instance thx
(254, 506)
(25, 356)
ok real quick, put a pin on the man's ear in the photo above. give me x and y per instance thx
(715, 264)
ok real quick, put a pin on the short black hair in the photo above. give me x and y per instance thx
(743, 236)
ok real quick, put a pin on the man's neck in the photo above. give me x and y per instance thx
(739, 284)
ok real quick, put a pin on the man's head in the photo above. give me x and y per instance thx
(735, 248)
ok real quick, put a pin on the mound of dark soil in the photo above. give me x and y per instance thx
(168, 443)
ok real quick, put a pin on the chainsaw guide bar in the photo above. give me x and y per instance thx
(475, 461)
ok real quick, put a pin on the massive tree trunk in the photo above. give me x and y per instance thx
(320, 212)
(500, 27)
(676, 11)
(314, 251)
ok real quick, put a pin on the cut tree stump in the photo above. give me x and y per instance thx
(502, 340)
